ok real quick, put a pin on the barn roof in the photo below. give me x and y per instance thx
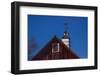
(47, 49)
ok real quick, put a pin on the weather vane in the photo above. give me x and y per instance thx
(66, 26)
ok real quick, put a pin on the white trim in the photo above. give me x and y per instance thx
(58, 48)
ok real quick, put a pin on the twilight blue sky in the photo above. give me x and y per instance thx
(42, 28)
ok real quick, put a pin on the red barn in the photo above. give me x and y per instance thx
(56, 49)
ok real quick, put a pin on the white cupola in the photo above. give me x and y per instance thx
(66, 38)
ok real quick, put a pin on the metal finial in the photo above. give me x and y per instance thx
(65, 26)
